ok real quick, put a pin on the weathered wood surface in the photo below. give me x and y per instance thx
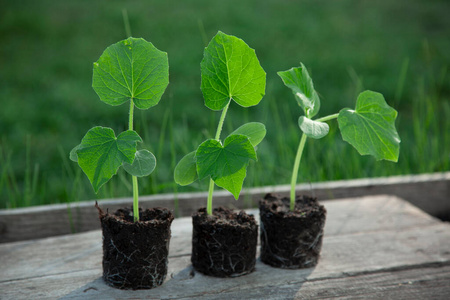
(430, 192)
(378, 247)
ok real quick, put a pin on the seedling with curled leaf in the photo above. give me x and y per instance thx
(230, 71)
(370, 127)
(132, 71)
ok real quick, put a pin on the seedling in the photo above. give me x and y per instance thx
(133, 71)
(230, 71)
(370, 127)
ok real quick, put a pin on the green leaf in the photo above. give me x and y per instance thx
(100, 153)
(370, 128)
(224, 163)
(143, 165)
(301, 84)
(233, 182)
(186, 170)
(254, 131)
(230, 69)
(131, 69)
(313, 129)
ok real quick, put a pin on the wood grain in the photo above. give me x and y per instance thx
(374, 247)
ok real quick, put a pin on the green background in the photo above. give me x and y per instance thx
(398, 48)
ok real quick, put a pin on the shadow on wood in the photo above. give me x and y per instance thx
(187, 283)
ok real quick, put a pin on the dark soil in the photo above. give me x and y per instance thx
(291, 239)
(224, 244)
(135, 254)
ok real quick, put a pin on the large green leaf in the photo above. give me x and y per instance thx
(255, 132)
(100, 153)
(224, 163)
(370, 128)
(299, 81)
(313, 129)
(186, 170)
(131, 69)
(230, 69)
(143, 165)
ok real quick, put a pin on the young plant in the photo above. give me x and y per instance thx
(230, 71)
(132, 71)
(370, 127)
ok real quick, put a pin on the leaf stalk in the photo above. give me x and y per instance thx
(298, 158)
(222, 119)
(134, 178)
(328, 118)
(217, 137)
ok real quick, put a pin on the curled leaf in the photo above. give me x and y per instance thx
(73, 154)
(301, 84)
(313, 129)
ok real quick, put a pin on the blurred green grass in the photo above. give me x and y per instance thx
(399, 48)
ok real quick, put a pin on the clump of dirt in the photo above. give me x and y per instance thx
(224, 243)
(135, 254)
(291, 239)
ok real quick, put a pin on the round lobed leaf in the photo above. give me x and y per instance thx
(216, 160)
(230, 69)
(370, 128)
(254, 131)
(100, 153)
(143, 165)
(131, 69)
(186, 170)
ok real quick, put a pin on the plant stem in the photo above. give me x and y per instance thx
(222, 119)
(130, 119)
(327, 118)
(210, 194)
(134, 178)
(217, 137)
(298, 158)
(135, 199)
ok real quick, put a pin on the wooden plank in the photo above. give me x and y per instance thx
(368, 256)
(70, 266)
(398, 284)
(347, 216)
(395, 284)
(429, 192)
